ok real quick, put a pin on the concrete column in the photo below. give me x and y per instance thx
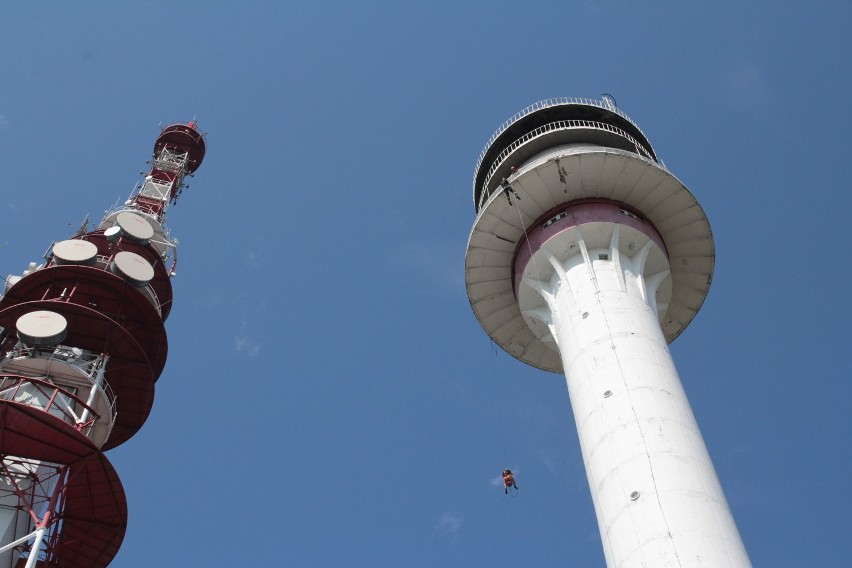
(656, 494)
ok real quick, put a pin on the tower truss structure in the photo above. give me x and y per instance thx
(587, 257)
(82, 342)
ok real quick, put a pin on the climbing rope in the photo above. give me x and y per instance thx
(509, 188)
(498, 397)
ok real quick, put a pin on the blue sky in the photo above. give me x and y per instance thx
(329, 398)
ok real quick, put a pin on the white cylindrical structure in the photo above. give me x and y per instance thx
(36, 548)
(587, 257)
(592, 283)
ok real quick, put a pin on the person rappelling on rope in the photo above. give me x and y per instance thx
(508, 481)
(507, 187)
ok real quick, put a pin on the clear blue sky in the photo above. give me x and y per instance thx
(329, 398)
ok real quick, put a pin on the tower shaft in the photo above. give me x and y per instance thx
(592, 286)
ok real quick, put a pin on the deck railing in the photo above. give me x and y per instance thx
(552, 127)
(606, 103)
(47, 397)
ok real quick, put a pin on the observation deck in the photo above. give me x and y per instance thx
(555, 154)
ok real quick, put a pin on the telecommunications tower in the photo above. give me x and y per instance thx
(587, 257)
(82, 341)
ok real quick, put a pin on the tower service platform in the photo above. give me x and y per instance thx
(82, 342)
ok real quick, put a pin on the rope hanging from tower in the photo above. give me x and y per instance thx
(507, 475)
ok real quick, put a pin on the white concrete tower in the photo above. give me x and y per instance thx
(588, 257)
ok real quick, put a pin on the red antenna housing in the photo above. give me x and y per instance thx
(178, 152)
(82, 342)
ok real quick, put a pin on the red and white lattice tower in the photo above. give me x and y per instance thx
(587, 257)
(82, 342)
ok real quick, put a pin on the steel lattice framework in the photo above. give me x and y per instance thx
(82, 342)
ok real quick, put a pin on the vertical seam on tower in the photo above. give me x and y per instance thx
(616, 257)
(635, 416)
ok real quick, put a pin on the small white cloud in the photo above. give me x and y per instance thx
(450, 523)
(439, 268)
(737, 450)
(548, 460)
(746, 84)
(244, 343)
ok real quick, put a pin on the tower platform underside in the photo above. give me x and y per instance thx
(570, 173)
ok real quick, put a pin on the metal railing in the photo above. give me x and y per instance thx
(87, 362)
(156, 189)
(551, 127)
(606, 104)
(47, 397)
(104, 262)
(169, 161)
(129, 205)
(91, 380)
